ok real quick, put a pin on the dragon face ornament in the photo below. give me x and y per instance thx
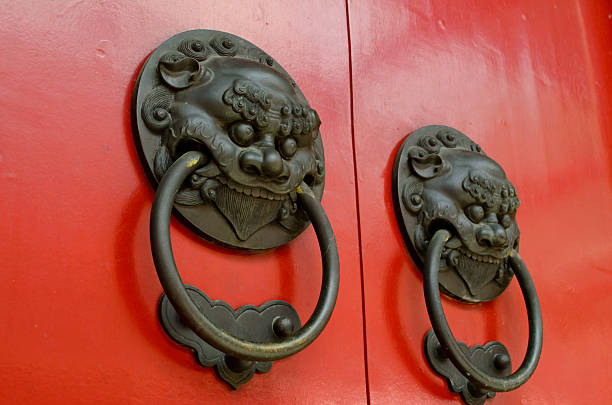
(219, 94)
(444, 180)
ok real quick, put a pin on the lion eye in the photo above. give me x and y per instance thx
(475, 213)
(242, 134)
(288, 147)
(506, 221)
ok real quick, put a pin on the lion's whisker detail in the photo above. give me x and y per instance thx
(246, 215)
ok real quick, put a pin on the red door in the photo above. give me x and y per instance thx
(528, 81)
(79, 287)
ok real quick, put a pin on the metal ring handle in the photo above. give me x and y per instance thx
(446, 338)
(184, 306)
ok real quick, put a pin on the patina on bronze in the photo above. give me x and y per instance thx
(216, 93)
(456, 210)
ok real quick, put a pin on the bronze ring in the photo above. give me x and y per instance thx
(177, 294)
(447, 340)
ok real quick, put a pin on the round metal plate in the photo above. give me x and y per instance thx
(218, 93)
(442, 179)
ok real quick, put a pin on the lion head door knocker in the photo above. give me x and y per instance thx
(456, 210)
(237, 153)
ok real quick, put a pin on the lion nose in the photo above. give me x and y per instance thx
(267, 163)
(272, 163)
(492, 235)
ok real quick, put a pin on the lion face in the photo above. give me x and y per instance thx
(256, 128)
(478, 204)
(454, 186)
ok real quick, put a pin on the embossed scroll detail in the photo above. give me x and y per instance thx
(248, 100)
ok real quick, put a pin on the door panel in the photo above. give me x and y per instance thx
(529, 82)
(79, 288)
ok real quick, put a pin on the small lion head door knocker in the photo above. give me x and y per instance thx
(219, 94)
(454, 185)
(237, 153)
(456, 211)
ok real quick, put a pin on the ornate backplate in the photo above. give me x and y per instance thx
(493, 358)
(441, 179)
(217, 93)
(248, 322)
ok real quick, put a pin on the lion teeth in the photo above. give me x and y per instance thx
(251, 191)
(479, 258)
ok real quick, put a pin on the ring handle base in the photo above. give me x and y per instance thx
(270, 322)
(493, 358)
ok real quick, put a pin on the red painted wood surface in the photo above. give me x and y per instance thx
(530, 82)
(527, 80)
(78, 288)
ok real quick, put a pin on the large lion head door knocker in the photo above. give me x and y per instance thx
(237, 153)
(456, 210)
(218, 94)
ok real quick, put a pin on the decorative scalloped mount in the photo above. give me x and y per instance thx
(258, 324)
(492, 358)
